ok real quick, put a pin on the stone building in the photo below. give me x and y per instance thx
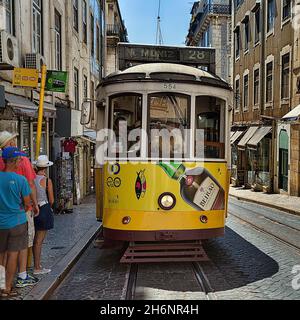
(65, 36)
(211, 27)
(265, 139)
(116, 32)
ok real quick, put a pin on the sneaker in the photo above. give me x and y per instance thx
(42, 271)
(33, 277)
(29, 281)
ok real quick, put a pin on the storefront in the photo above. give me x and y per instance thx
(237, 165)
(259, 149)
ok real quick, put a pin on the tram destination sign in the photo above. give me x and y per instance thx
(133, 54)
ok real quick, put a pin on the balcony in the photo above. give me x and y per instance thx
(116, 30)
(202, 18)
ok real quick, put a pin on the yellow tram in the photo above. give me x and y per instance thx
(145, 193)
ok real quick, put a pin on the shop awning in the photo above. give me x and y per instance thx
(293, 114)
(21, 105)
(92, 135)
(232, 133)
(248, 135)
(258, 136)
(49, 109)
(236, 136)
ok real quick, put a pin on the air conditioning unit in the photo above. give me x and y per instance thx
(34, 61)
(9, 51)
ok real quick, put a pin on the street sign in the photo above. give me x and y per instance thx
(132, 54)
(56, 81)
(24, 77)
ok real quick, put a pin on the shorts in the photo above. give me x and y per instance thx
(31, 230)
(45, 220)
(15, 239)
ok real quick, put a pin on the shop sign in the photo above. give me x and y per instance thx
(56, 81)
(24, 77)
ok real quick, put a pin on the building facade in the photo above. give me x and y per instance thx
(65, 36)
(116, 32)
(211, 27)
(265, 142)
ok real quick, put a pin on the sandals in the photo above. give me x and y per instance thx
(11, 294)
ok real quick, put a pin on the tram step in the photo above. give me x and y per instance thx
(164, 252)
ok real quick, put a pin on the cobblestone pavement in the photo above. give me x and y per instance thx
(245, 265)
(68, 230)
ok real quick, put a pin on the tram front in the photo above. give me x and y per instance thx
(163, 154)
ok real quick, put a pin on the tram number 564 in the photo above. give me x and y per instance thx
(169, 86)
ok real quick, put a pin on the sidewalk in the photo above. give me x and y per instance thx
(276, 201)
(63, 244)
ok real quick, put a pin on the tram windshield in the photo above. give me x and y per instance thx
(210, 123)
(126, 120)
(168, 120)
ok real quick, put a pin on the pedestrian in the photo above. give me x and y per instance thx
(45, 220)
(25, 169)
(14, 202)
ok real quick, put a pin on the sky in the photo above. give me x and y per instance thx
(140, 17)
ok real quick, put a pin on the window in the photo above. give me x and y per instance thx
(57, 31)
(210, 123)
(98, 44)
(256, 87)
(237, 42)
(75, 15)
(84, 21)
(237, 94)
(270, 15)
(9, 12)
(257, 26)
(286, 9)
(85, 87)
(37, 26)
(126, 113)
(92, 36)
(247, 35)
(246, 92)
(76, 88)
(169, 113)
(269, 82)
(285, 76)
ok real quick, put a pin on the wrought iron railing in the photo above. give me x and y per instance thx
(116, 30)
(209, 9)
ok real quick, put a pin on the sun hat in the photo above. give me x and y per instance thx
(5, 137)
(43, 162)
(11, 153)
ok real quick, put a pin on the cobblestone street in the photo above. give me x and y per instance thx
(248, 264)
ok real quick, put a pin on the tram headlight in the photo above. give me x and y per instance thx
(204, 219)
(126, 220)
(167, 201)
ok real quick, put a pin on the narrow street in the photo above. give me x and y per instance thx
(248, 264)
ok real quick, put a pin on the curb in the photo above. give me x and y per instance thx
(266, 204)
(43, 289)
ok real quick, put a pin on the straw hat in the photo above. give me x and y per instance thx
(5, 137)
(43, 162)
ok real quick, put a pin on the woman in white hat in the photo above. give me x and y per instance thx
(45, 220)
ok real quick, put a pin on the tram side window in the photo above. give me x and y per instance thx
(126, 122)
(169, 116)
(210, 126)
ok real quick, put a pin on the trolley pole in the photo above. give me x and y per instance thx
(41, 112)
(39, 135)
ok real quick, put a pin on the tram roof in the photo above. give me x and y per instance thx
(166, 72)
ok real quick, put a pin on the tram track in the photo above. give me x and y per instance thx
(266, 232)
(200, 276)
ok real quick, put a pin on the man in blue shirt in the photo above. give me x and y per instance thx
(14, 202)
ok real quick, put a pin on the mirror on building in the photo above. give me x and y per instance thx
(86, 112)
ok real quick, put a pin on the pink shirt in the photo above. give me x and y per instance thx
(25, 169)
